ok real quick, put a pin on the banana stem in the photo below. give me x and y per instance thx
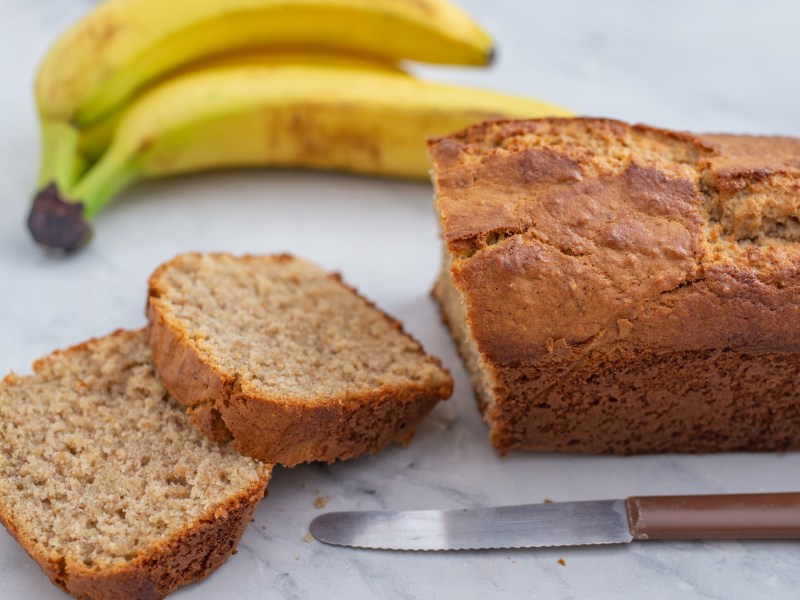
(55, 221)
(104, 180)
(61, 163)
(96, 138)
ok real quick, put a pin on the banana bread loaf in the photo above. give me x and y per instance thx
(106, 484)
(286, 359)
(624, 289)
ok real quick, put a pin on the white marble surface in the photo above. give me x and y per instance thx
(713, 65)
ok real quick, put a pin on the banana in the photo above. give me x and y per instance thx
(93, 140)
(348, 119)
(123, 44)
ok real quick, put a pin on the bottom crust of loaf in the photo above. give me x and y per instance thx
(619, 403)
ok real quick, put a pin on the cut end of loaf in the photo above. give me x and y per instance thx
(296, 365)
(454, 315)
(104, 481)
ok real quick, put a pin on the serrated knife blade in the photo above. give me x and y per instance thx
(525, 526)
(732, 516)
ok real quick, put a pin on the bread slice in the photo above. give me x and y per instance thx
(623, 289)
(107, 485)
(286, 359)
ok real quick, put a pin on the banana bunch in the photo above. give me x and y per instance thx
(148, 88)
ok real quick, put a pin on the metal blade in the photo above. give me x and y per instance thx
(525, 526)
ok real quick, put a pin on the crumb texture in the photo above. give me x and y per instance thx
(286, 351)
(101, 473)
(578, 245)
(284, 328)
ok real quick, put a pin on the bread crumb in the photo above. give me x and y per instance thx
(547, 501)
(562, 562)
(297, 557)
(308, 537)
(103, 477)
(321, 501)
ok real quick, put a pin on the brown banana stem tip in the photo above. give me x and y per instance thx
(57, 224)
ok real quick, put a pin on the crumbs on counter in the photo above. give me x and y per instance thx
(547, 501)
(321, 501)
(562, 562)
(308, 537)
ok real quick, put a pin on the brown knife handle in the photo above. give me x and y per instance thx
(723, 517)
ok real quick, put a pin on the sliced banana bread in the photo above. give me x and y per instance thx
(286, 359)
(107, 485)
(624, 289)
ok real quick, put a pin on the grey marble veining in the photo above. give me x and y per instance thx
(710, 65)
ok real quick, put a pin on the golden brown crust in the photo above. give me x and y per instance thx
(589, 261)
(744, 155)
(282, 431)
(188, 555)
(629, 288)
(337, 430)
(618, 402)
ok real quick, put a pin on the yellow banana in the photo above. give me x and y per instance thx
(124, 44)
(93, 140)
(309, 116)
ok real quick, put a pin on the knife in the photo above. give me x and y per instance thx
(719, 517)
